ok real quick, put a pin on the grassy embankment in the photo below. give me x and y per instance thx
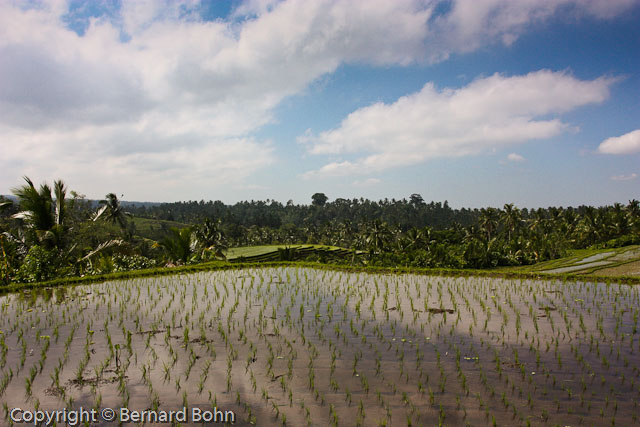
(618, 270)
(296, 252)
(614, 262)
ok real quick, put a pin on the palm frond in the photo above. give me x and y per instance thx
(60, 192)
(5, 205)
(99, 213)
(102, 246)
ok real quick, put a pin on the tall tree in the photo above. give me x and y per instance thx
(41, 213)
(111, 211)
(36, 206)
(60, 192)
(179, 244)
(633, 212)
(319, 199)
(489, 220)
(511, 218)
(209, 237)
(377, 236)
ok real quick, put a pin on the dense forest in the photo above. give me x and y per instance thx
(49, 232)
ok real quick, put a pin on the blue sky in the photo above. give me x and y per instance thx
(480, 103)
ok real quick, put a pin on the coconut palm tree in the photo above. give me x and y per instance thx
(489, 220)
(619, 220)
(60, 211)
(40, 213)
(36, 205)
(209, 237)
(413, 239)
(633, 212)
(568, 224)
(511, 218)
(539, 225)
(179, 244)
(111, 211)
(590, 228)
(377, 236)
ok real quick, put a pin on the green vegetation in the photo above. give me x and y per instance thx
(306, 326)
(289, 253)
(588, 261)
(47, 235)
(154, 229)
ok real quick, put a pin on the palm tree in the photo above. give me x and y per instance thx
(590, 226)
(568, 224)
(539, 224)
(511, 218)
(40, 213)
(209, 237)
(619, 220)
(101, 248)
(489, 220)
(111, 211)
(633, 212)
(377, 236)
(472, 233)
(60, 193)
(413, 239)
(345, 233)
(37, 212)
(179, 244)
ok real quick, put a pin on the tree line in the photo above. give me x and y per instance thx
(50, 232)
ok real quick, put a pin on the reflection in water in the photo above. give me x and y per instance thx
(307, 346)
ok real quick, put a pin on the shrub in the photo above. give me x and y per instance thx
(132, 262)
(39, 265)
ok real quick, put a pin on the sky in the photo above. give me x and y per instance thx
(477, 102)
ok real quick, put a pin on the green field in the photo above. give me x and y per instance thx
(609, 262)
(606, 262)
(272, 252)
(154, 229)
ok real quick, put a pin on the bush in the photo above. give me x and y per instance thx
(39, 265)
(626, 240)
(132, 262)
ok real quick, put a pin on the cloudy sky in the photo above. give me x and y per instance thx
(478, 102)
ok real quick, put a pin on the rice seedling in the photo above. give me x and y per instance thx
(428, 349)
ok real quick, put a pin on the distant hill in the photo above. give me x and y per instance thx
(95, 202)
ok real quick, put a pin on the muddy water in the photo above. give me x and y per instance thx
(301, 346)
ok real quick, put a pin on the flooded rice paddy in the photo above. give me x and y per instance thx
(298, 346)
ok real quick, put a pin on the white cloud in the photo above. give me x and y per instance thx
(154, 82)
(624, 177)
(144, 164)
(629, 143)
(175, 95)
(515, 157)
(490, 112)
(471, 24)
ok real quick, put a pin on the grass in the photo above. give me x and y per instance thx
(154, 229)
(251, 251)
(252, 254)
(272, 252)
(576, 258)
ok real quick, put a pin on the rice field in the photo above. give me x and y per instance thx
(298, 346)
(624, 261)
